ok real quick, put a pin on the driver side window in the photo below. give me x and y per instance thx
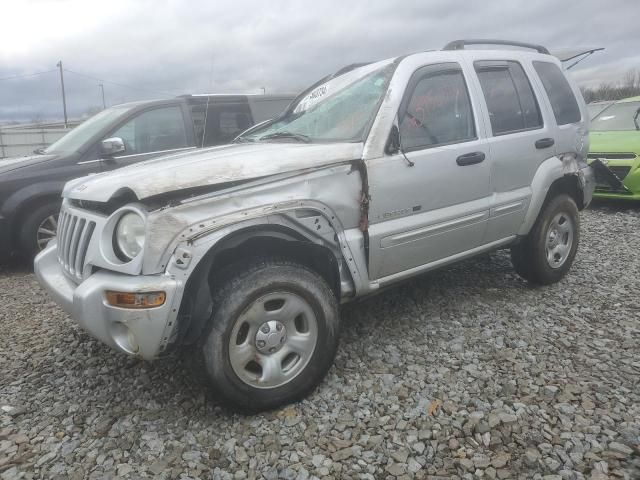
(439, 111)
(153, 131)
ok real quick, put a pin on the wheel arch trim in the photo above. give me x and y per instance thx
(550, 173)
(192, 259)
(34, 192)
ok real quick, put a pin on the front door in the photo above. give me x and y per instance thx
(149, 134)
(438, 207)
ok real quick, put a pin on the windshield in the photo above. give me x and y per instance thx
(619, 116)
(73, 140)
(339, 110)
(595, 108)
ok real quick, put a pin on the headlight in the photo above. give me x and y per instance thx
(129, 236)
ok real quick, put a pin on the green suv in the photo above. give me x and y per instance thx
(615, 141)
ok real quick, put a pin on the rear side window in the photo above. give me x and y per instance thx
(267, 108)
(438, 111)
(510, 99)
(220, 123)
(563, 101)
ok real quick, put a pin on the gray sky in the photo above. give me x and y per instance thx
(165, 47)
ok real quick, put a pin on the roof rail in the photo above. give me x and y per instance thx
(460, 44)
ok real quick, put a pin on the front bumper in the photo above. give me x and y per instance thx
(617, 178)
(140, 332)
(617, 196)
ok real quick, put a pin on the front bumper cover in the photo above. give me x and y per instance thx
(604, 176)
(140, 332)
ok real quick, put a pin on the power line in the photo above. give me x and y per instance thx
(120, 84)
(28, 74)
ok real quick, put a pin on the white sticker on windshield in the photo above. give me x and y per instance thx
(319, 92)
(314, 97)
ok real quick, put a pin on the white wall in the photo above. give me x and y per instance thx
(24, 139)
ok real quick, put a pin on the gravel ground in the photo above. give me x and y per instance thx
(465, 373)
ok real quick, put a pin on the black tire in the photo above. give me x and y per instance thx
(28, 237)
(247, 284)
(529, 257)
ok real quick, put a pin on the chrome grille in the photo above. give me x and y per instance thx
(74, 234)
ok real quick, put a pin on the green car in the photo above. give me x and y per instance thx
(615, 141)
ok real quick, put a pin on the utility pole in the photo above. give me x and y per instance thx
(64, 98)
(104, 105)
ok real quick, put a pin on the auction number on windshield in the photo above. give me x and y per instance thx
(318, 92)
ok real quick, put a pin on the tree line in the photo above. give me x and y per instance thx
(629, 86)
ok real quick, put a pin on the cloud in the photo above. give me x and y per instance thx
(165, 47)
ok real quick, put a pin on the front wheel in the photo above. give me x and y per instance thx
(546, 254)
(39, 228)
(272, 337)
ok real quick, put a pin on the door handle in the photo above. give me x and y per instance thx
(470, 158)
(544, 143)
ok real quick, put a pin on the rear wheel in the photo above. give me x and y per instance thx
(273, 335)
(546, 254)
(38, 228)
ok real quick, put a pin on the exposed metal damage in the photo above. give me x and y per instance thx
(211, 167)
(318, 232)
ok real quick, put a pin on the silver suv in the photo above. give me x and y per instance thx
(374, 174)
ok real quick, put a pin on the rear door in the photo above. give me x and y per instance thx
(519, 141)
(219, 119)
(438, 207)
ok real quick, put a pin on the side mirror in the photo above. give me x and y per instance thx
(393, 142)
(111, 146)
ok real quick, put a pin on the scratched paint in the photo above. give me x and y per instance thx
(210, 167)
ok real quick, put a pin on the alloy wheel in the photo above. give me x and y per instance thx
(46, 231)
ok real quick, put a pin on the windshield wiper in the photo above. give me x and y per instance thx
(296, 136)
(635, 119)
(242, 140)
(39, 151)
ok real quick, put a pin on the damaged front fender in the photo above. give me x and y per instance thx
(322, 207)
(306, 232)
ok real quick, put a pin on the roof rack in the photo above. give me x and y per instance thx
(460, 44)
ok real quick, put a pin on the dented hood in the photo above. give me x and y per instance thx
(212, 166)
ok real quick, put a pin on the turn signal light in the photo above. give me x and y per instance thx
(136, 300)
